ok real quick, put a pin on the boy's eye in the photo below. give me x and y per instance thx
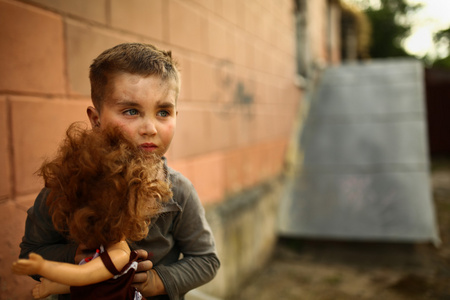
(131, 112)
(163, 113)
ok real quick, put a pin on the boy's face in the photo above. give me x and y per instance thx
(143, 107)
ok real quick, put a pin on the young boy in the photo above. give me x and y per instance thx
(135, 87)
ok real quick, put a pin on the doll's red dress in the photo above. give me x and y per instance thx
(117, 288)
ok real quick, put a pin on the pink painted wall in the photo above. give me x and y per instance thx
(237, 105)
(324, 31)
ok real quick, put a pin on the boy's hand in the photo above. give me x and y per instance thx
(30, 266)
(146, 280)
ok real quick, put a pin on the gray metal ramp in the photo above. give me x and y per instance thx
(365, 169)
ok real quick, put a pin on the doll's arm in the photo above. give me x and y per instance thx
(47, 287)
(70, 274)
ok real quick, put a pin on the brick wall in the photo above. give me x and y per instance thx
(237, 104)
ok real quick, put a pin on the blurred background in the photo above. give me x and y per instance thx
(311, 129)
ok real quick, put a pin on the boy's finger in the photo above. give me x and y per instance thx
(144, 266)
(140, 277)
(142, 254)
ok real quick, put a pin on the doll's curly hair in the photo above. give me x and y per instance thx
(103, 188)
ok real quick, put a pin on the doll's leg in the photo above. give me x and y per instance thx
(47, 287)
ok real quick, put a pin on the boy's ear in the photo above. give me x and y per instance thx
(94, 116)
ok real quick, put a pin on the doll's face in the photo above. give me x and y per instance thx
(143, 107)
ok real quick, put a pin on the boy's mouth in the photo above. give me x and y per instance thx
(148, 147)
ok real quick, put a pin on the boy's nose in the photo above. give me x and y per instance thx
(148, 127)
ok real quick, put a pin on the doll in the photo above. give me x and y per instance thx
(104, 192)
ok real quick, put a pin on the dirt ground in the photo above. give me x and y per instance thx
(330, 270)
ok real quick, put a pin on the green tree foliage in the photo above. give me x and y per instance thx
(443, 38)
(388, 30)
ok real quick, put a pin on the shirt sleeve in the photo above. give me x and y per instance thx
(41, 237)
(194, 237)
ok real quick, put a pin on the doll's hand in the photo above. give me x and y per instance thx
(30, 266)
(146, 280)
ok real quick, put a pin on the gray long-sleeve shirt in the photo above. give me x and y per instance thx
(180, 228)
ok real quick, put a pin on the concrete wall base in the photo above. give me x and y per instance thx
(245, 231)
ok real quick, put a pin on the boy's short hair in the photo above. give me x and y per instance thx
(133, 58)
